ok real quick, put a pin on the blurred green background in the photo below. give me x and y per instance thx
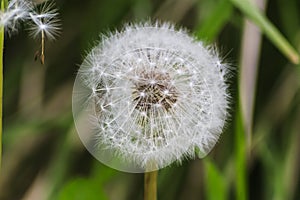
(257, 156)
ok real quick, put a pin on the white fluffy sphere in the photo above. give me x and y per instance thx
(148, 96)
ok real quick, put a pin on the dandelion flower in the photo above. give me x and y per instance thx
(149, 96)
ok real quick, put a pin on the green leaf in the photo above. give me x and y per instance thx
(240, 157)
(253, 13)
(215, 186)
(215, 21)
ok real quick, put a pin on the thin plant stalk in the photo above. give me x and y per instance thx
(251, 44)
(150, 185)
(42, 57)
(3, 3)
(247, 83)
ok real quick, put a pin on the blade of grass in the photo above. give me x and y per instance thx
(250, 51)
(215, 182)
(241, 159)
(215, 21)
(253, 13)
(3, 2)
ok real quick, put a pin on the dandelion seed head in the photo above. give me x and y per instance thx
(156, 96)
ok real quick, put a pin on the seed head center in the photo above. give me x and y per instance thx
(154, 90)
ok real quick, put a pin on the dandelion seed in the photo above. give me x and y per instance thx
(164, 98)
(45, 24)
(45, 20)
(17, 11)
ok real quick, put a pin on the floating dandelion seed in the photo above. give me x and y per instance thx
(149, 96)
(45, 24)
(16, 11)
(43, 20)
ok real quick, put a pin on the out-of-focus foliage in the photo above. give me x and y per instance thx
(44, 158)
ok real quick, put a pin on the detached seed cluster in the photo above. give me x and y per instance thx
(41, 19)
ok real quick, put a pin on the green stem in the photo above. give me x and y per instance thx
(1, 80)
(150, 188)
(240, 157)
